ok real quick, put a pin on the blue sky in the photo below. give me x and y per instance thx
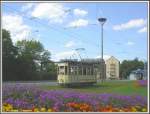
(63, 27)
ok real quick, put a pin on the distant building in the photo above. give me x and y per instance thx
(137, 75)
(112, 68)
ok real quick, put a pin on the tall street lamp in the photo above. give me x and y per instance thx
(102, 21)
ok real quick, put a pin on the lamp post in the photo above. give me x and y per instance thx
(102, 22)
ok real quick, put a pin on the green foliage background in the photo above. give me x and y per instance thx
(26, 60)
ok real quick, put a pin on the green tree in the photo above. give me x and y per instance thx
(129, 65)
(48, 68)
(9, 57)
(27, 60)
(35, 59)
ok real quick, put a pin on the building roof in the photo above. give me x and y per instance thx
(138, 71)
(112, 58)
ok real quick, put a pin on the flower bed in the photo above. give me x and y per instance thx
(141, 83)
(30, 98)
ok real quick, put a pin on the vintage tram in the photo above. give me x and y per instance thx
(74, 72)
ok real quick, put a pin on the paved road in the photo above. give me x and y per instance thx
(32, 82)
(50, 83)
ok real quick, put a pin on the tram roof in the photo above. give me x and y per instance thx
(81, 61)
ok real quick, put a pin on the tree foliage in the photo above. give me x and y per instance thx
(27, 60)
(9, 55)
(129, 65)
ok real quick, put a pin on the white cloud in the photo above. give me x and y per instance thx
(130, 24)
(63, 55)
(16, 26)
(78, 23)
(130, 43)
(79, 12)
(144, 29)
(53, 12)
(70, 44)
(104, 56)
(27, 6)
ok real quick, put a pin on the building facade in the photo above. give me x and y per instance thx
(112, 68)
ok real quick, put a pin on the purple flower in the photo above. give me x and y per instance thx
(142, 83)
(26, 96)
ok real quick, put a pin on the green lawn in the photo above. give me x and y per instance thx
(116, 87)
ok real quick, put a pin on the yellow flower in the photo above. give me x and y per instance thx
(7, 107)
(133, 109)
(3, 108)
(14, 110)
(144, 110)
(43, 109)
(138, 107)
(36, 110)
(50, 110)
(121, 110)
(26, 110)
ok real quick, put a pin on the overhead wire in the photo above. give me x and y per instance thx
(52, 27)
(49, 26)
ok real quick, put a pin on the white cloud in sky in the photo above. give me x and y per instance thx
(78, 23)
(130, 24)
(63, 55)
(144, 29)
(70, 44)
(104, 56)
(53, 12)
(18, 29)
(80, 12)
(130, 43)
(27, 6)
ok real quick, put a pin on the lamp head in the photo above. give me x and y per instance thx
(102, 20)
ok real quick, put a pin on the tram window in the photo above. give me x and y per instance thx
(61, 70)
(88, 71)
(76, 70)
(66, 70)
(72, 70)
(61, 67)
(84, 71)
(58, 70)
(80, 70)
(91, 71)
(95, 71)
(69, 71)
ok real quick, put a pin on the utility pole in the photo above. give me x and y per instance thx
(102, 21)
